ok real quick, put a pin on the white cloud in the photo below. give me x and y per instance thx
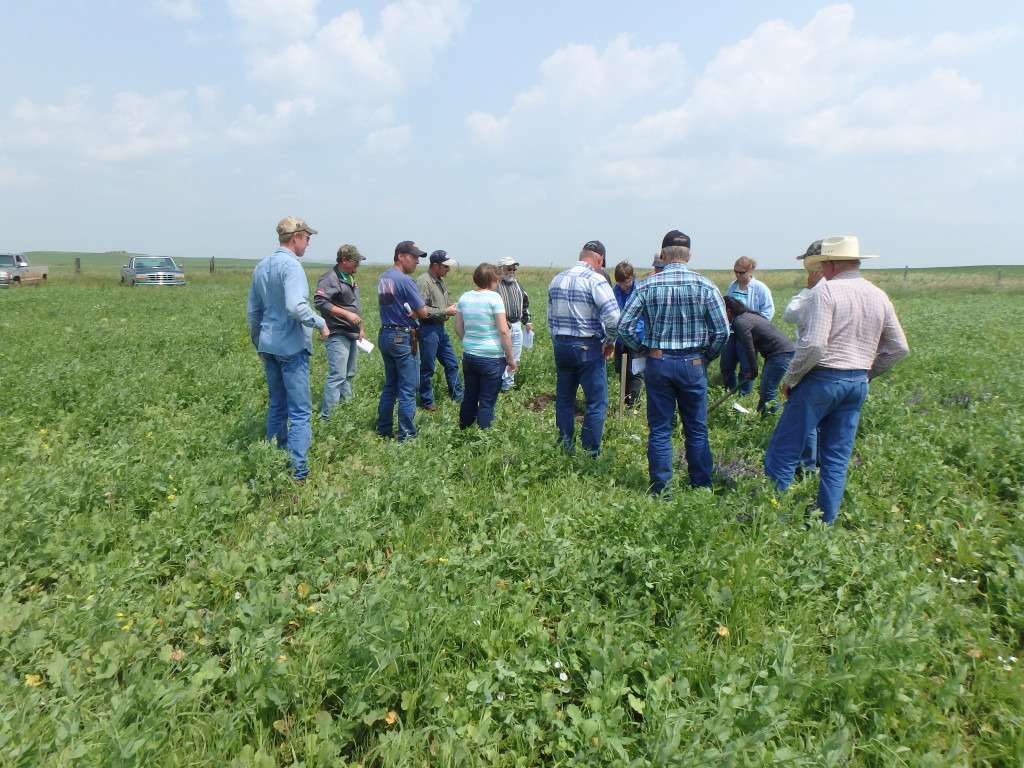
(132, 126)
(280, 20)
(183, 10)
(941, 113)
(390, 143)
(951, 44)
(651, 134)
(824, 91)
(579, 77)
(342, 58)
(487, 127)
(20, 178)
(782, 70)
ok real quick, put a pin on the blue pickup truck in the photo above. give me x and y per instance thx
(15, 271)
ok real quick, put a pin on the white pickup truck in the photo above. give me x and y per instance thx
(15, 271)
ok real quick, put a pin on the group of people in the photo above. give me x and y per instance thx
(664, 330)
(491, 320)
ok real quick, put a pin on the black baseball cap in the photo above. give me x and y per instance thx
(408, 246)
(675, 237)
(596, 246)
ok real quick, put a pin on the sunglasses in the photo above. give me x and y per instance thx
(741, 271)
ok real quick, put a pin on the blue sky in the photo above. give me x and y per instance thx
(190, 127)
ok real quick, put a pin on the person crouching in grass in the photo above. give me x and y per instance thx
(481, 324)
(753, 334)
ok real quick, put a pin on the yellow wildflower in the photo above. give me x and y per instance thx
(33, 681)
(723, 630)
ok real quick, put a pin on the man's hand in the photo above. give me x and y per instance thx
(608, 350)
(813, 278)
(786, 390)
(324, 333)
(450, 310)
(511, 365)
(529, 326)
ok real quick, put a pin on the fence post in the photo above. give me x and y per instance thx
(905, 272)
(78, 266)
(211, 264)
(999, 276)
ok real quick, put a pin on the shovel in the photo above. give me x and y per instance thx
(723, 398)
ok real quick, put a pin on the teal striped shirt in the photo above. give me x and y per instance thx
(478, 309)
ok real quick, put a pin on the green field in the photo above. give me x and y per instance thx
(170, 598)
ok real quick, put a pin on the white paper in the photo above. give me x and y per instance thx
(527, 339)
(740, 408)
(638, 366)
(364, 345)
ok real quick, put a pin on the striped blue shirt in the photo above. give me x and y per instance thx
(581, 303)
(679, 309)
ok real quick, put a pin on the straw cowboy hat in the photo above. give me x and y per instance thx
(843, 248)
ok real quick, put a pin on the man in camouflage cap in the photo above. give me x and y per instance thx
(280, 322)
(337, 299)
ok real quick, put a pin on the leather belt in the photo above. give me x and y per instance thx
(399, 328)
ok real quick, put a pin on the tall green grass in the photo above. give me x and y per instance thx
(477, 598)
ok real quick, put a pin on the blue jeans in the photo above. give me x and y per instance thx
(435, 344)
(341, 369)
(483, 380)
(290, 407)
(579, 362)
(516, 329)
(732, 356)
(828, 401)
(401, 377)
(677, 379)
(772, 371)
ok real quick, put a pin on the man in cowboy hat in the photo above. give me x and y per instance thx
(850, 335)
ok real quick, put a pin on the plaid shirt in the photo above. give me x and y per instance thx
(850, 326)
(679, 309)
(581, 303)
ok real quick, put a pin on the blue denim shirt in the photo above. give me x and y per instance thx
(278, 311)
